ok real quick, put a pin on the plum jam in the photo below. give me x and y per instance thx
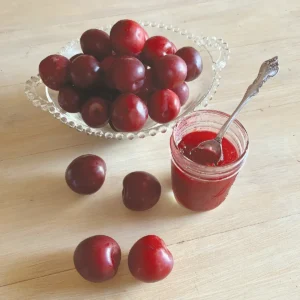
(189, 143)
(198, 185)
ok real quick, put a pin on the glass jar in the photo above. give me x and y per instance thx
(198, 187)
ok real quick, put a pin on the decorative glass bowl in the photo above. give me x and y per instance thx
(214, 52)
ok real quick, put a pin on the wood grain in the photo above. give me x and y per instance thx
(246, 249)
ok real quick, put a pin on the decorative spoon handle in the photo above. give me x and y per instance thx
(268, 69)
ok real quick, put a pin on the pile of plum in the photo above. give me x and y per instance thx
(123, 78)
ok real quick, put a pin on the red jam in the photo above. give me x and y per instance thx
(193, 139)
(197, 193)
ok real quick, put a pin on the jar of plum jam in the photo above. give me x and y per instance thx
(196, 185)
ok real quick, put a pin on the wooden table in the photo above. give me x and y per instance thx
(248, 248)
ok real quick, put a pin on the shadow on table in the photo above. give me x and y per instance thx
(54, 273)
(167, 208)
(48, 199)
(110, 212)
(32, 279)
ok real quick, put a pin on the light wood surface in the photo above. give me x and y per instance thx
(248, 248)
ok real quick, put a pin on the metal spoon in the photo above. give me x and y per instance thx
(214, 147)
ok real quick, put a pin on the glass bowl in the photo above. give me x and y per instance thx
(214, 52)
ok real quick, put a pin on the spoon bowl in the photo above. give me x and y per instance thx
(211, 152)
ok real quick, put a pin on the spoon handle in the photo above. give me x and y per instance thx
(268, 69)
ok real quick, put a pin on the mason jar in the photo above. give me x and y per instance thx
(200, 187)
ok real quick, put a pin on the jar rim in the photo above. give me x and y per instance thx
(212, 171)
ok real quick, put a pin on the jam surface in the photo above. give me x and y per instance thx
(193, 139)
(195, 193)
